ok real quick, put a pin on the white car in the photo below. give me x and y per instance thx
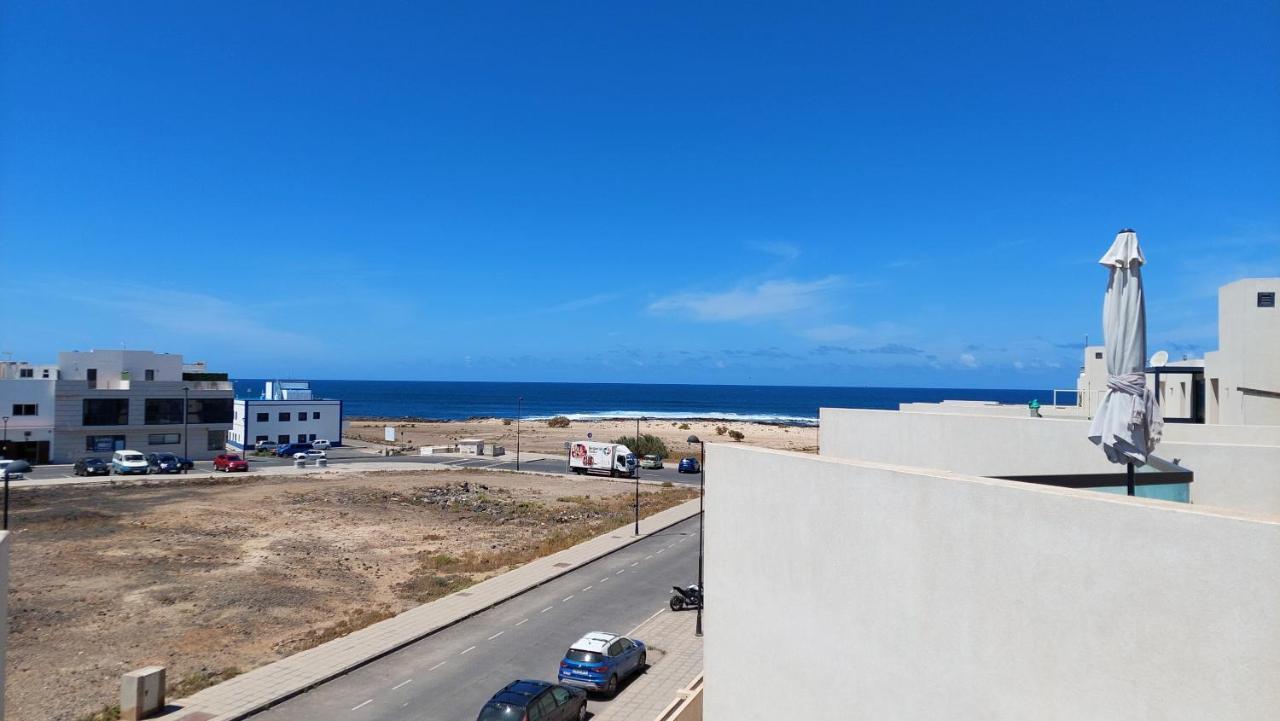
(126, 462)
(321, 445)
(308, 455)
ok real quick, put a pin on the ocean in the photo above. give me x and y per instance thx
(794, 405)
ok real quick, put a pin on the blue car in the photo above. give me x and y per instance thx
(288, 449)
(600, 661)
(688, 465)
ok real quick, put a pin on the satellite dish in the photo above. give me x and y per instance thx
(1160, 358)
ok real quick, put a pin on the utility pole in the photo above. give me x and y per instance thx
(186, 417)
(637, 477)
(519, 403)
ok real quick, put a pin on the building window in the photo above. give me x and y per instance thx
(1098, 355)
(106, 412)
(302, 416)
(26, 409)
(302, 437)
(91, 375)
(164, 439)
(263, 418)
(44, 373)
(103, 444)
(163, 411)
(217, 440)
(259, 439)
(26, 372)
(315, 416)
(1267, 300)
(282, 439)
(284, 417)
(149, 375)
(312, 438)
(210, 410)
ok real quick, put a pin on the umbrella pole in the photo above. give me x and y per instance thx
(1129, 477)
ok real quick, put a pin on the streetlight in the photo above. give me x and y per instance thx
(4, 447)
(637, 477)
(186, 416)
(702, 482)
(519, 403)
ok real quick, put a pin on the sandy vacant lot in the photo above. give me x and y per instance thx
(213, 577)
(536, 436)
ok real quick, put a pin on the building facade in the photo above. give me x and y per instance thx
(26, 411)
(288, 413)
(1242, 377)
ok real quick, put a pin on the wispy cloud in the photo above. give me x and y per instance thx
(968, 360)
(580, 303)
(785, 251)
(886, 349)
(771, 299)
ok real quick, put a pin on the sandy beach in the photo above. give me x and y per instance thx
(539, 437)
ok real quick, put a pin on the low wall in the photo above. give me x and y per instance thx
(859, 591)
(1235, 466)
(4, 613)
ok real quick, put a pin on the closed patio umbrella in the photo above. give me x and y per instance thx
(1128, 422)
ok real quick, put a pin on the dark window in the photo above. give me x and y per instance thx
(582, 656)
(1098, 355)
(312, 438)
(164, 439)
(302, 416)
(1266, 300)
(149, 375)
(26, 409)
(44, 373)
(302, 437)
(163, 411)
(259, 438)
(501, 712)
(562, 697)
(263, 417)
(284, 417)
(27, 373)
(106, 412)
(217, 440)
(282, 439)
(210, 410)
(544, 707)
(615, 648)
(315, 416)
(92, 376)
(103, 444)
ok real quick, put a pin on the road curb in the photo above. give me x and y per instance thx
(193, 713)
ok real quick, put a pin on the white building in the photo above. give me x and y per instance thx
(1242, 378)
(26, 410)
(288, 413)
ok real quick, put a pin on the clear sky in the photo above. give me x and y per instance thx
(796, 193)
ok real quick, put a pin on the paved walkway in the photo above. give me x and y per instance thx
(261, 687)
(674, 660)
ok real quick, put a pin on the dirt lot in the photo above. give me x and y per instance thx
(537, 436)
(210, 578)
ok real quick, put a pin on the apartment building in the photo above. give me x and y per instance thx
(288, 412)
(26, 411)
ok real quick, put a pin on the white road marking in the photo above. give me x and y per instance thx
(660, 550)
(403, 683)
(637, 563)
(566, 598)
(523, 620)
(588, 588)
(468, 650)
(366, 703)
(548, 608)
(637, 628)
(496, 635)
(648, 557)
(620, 570)
(437, 665)
(404, 705)
(606, 578)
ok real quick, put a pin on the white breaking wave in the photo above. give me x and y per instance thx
(686, 416)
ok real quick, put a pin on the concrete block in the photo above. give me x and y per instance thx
(142, 693)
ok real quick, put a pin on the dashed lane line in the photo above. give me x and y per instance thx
(437, 665)
(648, 557)
(566, 598)
(637, 563)
(548, 608)
(360, 706)
(523, 620)
(402, 684)
(620, 570)
(496, 635)
(466, 651)
(588, 588)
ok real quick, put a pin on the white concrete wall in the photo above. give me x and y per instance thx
(839, 590)
(1247, 363)
(4, 613)
(327, 427)
(1234, 466)
(112, 363)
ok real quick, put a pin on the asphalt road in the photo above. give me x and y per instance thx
(450, 675)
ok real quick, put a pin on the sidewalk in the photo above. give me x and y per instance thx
(261, 687)
(675, 658)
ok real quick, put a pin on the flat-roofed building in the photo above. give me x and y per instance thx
(288, 412)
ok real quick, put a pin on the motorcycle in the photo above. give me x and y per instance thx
(683, 598)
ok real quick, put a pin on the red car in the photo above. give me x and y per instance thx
(228, 462)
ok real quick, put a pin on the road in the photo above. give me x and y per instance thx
(448, 676)
(347, 455)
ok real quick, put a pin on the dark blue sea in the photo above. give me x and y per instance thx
(796, 405)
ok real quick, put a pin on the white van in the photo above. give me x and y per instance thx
(321, 444)
(126, 462)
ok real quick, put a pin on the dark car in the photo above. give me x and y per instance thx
(164, 463)
(287, 450)
(91, 467)
(186, 463)
(536, 701)
(688, 465)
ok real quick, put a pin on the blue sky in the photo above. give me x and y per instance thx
(795, 193)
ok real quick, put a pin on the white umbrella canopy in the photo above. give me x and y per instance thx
(1128, 423)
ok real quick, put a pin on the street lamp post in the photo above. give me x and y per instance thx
(186, 417)
(519, 404)
(702, 482)
(637, 478)
(4, 446)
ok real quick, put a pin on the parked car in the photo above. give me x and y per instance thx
(688, 465)
(15, 474)
(321, 444)
(535, 701)
(265, 446)
(228, 462)
(309, 455)
(288, 449)
(186, 463)
(164, 463)
(91, 467)
(600, 661)
(126, 462)
(651, 461)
